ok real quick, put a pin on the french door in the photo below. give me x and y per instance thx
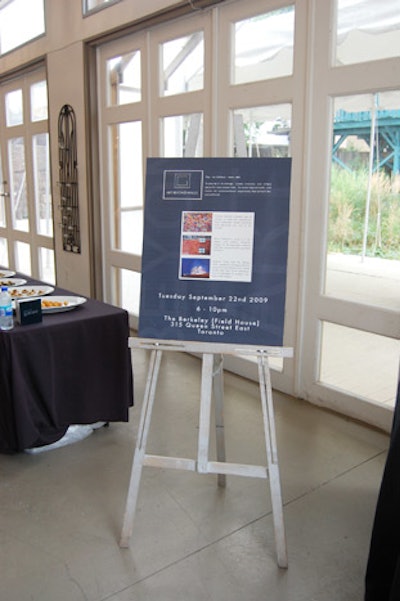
(147, 83)
(26, 215)
(263, 79)
(197, 87)
(350, 350)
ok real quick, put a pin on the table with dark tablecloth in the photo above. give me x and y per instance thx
(72, 368)
(382, 581)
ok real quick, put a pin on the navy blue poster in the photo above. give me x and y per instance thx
(215, 250)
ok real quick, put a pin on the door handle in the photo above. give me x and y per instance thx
(4, 194)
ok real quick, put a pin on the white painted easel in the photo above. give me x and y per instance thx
(211, 381)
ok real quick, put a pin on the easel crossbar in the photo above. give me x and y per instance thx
(209, 347)
(177, 463)
(212, 467)
(237, 469)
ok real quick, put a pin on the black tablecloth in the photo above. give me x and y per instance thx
(382, 581)
(73, 368)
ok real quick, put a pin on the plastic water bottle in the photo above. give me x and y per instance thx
(6, 310)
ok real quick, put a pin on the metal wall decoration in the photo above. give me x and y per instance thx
(68, 182)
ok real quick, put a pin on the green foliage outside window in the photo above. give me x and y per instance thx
(348, 196)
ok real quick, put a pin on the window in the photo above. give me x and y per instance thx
(90, 6)
(2, 200)
(263, 46)
(262, 131)
(366, 365)
(125, 150)
(26, 212)
(19, 204)
(183, 64)
(182, 135)
(14, 113)
(20, 22)
(364, 209)
(124, 79)
(367, 30)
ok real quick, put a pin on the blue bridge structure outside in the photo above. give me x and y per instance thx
(386, 139)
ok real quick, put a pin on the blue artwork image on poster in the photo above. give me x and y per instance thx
(215, 250)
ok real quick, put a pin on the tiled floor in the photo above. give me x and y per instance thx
(61, 510)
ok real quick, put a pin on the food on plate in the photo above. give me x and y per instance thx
(47, 303)
(22, 292)
(7, 282)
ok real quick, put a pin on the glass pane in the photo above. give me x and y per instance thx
(263, 46)
(14, 108)
(183, 64)
(360, 363)
(23, 258)
(183, 135)
(2, 198)
(132, 231)
(19, 201)
(41, 177)
(262, 131)
(91, 5)
(128, 289)
(363, 260)
(367, 30)
(3, 253)
(124, 79)
(20, 21)
(39, 101)
(127, 186)
(47, 272)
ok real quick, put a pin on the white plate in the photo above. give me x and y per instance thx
(12, 282)
(30, 291)
(4, 273)
(58, 304)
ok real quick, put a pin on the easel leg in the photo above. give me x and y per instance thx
(143, 431)
(218, 388)
(205, 413)
(272, 459)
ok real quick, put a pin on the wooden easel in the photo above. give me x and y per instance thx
(211, 381)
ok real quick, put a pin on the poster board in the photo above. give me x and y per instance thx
(215, 250)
